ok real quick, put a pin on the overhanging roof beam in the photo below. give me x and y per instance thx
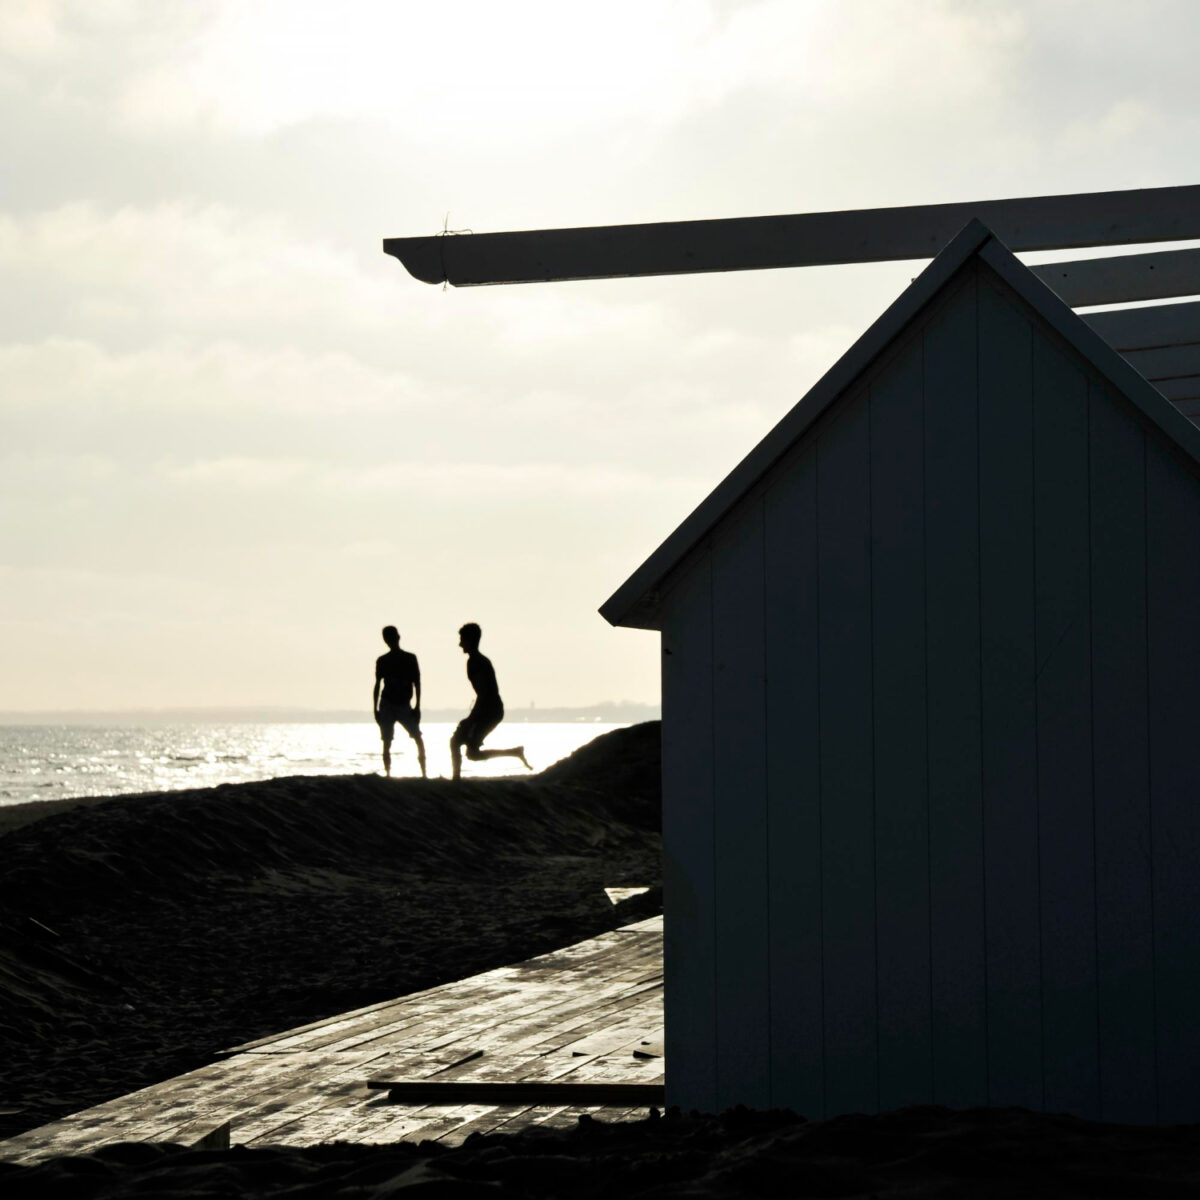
(1187, 387)
(1149, 327)
(1124, 278)
(811, 239)
(1166, 362)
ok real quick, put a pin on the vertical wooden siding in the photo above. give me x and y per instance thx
(791, 605)
(1009, 714)
(689, 938)
(1063, 699)
(898, 636)
(843, 632)
(1173, 601)
(931, 797)
(1121, 771)
(740, 820)
(958, 978)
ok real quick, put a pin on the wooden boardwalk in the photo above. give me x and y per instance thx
(590, 1013)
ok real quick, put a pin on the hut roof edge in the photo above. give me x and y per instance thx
(636, 602)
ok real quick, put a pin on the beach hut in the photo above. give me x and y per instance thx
(931, 672)
(931, 680)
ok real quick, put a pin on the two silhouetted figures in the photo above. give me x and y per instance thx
(399, 676)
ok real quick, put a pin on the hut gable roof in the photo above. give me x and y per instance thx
(636, 602)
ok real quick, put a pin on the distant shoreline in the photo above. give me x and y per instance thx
(623, 713)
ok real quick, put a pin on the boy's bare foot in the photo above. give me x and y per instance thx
(524, 760)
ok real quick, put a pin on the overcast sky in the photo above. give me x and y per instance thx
(236, 438)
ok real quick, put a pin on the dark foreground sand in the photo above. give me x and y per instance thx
(915, 1153)
(141, 935)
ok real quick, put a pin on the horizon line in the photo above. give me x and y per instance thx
(511, 712)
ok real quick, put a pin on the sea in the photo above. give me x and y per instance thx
(57, 762)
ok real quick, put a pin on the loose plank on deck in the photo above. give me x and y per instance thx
(467, 1091)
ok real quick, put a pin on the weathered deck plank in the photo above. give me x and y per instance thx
(497, 995)
(575, 1014)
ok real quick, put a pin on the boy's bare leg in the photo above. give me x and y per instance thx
(387, 757)
(420, 753)
(513, 752)
(455, 759)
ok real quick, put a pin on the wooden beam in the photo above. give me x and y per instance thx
(1124, 278)
(1166, 362)
(810, 239)
(427, 1091)
(1146, 328)
(1187, 387)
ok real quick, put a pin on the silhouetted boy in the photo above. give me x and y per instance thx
(486, 713)
(399, 675)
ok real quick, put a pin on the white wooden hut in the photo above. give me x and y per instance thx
(931, 688)
(931, 672)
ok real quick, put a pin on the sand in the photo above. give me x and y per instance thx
(913, 1154)
(141, 935)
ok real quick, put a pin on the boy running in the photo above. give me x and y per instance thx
(486, 713)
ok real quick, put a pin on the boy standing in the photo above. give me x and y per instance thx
(399, 676)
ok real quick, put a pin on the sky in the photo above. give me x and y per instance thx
(236, 438)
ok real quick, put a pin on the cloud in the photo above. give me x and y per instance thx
(502, 70)
(1123, 124)
(241, 474)
(73, 378)
(487, 375)
(519, 73)
(370, 548)
(19, 472)
(80, 599)
(450, 482)
(202, 265)
(28, 29)
(939, 53)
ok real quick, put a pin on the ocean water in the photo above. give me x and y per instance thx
(56, 762)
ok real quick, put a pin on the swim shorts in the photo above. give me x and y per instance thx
(476, 725)
(391, 715)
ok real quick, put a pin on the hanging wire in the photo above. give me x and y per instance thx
(446, 232)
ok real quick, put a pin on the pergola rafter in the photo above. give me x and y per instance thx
(1162, 341)
(822, 239)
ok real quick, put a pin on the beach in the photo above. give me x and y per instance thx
(141, 935)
